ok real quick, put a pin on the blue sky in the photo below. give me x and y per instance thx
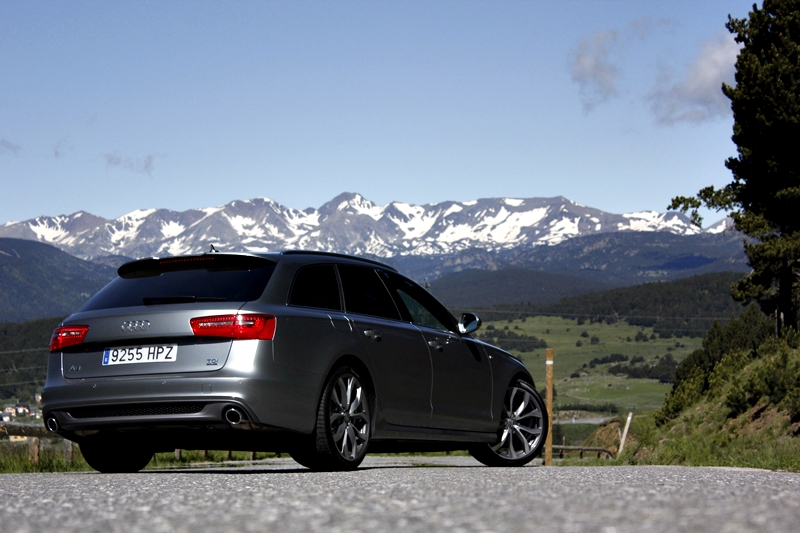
(108, 107)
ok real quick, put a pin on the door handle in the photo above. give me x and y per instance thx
(436, 344)
(373, 334)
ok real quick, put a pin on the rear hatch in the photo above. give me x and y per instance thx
(164, 316)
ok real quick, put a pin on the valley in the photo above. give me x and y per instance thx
(576, 380)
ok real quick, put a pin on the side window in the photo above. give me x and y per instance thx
(365, 293)
(418, 305)
(419, 315)
(316, 286)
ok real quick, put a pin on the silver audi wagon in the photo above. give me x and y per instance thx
(323, 356)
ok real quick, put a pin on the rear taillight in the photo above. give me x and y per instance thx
(235, 326)
(64, 336)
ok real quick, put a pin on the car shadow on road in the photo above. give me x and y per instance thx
(298, 470)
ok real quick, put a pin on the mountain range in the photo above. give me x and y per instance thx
(482, 252)
(349, 223)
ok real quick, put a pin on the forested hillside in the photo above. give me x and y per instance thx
(509, 286)
(38, 280)
(684, 307)
(23, 357)
(734, 402)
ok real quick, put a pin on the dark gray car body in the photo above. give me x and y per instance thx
(431, 389)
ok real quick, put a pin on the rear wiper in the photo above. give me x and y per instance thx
(164, 300)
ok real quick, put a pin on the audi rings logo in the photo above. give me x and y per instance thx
(135, 325)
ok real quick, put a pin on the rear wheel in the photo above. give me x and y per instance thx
(343, 429)
(523, 429)
(114, 456)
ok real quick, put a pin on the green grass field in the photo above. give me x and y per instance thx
(596, 385)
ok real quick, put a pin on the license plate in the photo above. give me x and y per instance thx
(161, 353)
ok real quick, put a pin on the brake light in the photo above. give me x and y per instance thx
(64, 336)
(235, 326)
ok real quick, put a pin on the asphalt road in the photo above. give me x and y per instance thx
(396, 494)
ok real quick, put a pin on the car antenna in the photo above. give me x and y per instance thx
(213, 250)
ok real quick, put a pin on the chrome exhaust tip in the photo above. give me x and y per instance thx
(234, 416)
(52, 424)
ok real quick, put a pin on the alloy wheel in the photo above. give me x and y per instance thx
(349, 417)
(521, 426)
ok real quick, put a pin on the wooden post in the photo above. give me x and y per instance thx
(548, 380)
(178, 454)
(68, 451)
(33, 449)
(624, 435)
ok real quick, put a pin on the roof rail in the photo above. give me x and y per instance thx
(334, 254)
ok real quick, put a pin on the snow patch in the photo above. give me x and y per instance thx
(48, 233)
(176, 247)
(654, 221)
(513, 202)
(362, 206)
(719, 227)
(171, 229)
(455, 208)
(561, 230)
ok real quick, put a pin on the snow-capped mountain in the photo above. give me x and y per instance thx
(348, 223)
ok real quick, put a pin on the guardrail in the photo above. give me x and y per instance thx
(582, 449)
(26, 430)
(35, 432)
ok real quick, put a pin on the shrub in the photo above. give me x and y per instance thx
(663, 370)
(613, 358)
(591, 407)
(747, 332)
(772, 381)
(689, 391)
(595, 340)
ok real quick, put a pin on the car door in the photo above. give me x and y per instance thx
(462, 376)
(312, 332)
(397, 350)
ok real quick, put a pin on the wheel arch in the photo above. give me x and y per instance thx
(523, 376)
(358, 364)
(354, 361)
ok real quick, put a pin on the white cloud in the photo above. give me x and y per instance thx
(592, 69)
(8, 146)
(141, 166)
(61, 148)
(698, 97)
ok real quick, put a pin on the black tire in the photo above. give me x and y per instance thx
(114, 456)
(344, 424)
(305, 453)
(523, 429)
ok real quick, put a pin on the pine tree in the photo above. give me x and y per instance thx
(764, 196)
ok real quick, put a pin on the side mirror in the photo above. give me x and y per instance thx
(469, 322)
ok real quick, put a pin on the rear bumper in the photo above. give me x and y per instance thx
(278, 401)
(197, 413)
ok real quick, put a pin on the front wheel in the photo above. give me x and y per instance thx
(343, 425)
(523, 429)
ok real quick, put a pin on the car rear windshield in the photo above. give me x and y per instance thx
(207, 278)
